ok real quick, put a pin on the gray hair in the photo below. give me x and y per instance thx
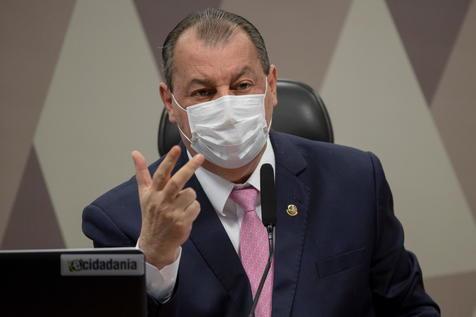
(212, 26)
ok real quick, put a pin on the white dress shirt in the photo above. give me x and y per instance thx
(160, 283)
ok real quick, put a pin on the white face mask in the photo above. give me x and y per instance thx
(229, 131)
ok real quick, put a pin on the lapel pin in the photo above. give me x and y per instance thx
(292, 210)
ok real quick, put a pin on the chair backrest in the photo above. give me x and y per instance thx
(300, 111)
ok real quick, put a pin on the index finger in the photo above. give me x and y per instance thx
(162, 174)
(179, 179)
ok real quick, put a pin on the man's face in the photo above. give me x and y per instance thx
(205, 72)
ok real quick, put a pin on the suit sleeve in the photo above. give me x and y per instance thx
(396, 277)
(99, 227)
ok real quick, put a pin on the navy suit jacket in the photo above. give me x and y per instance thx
(342, 255)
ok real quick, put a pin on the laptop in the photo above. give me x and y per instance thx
(73, 282)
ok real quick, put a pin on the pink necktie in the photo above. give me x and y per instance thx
(254, 248)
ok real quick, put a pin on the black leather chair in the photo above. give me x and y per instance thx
(300, 111)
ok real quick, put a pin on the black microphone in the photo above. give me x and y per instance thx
(268, 196)
(268, 214)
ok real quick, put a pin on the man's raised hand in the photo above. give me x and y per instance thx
(168, 210)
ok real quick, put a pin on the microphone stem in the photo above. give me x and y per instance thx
(269, 228)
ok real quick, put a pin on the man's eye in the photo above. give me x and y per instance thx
(202, 93)
(244, 85)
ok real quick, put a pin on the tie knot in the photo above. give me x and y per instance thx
(245, 197)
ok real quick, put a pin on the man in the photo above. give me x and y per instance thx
(195, 213)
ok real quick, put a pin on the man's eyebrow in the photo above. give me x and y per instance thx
(199, 81)
(242, 72)
(207, 82)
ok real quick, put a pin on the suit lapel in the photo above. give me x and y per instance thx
(213, 243)
(290, 230)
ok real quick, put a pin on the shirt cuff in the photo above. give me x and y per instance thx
(160, 283)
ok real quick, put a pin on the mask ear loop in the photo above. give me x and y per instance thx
(264, 97)
(177, 103)
(178, 126)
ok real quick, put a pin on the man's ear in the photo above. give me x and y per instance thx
(166, 96)
(273, 82)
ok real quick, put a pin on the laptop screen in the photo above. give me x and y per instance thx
(73, 282)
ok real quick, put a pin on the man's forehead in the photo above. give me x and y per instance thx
(194, 56)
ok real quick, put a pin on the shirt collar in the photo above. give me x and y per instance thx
(219, 189)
